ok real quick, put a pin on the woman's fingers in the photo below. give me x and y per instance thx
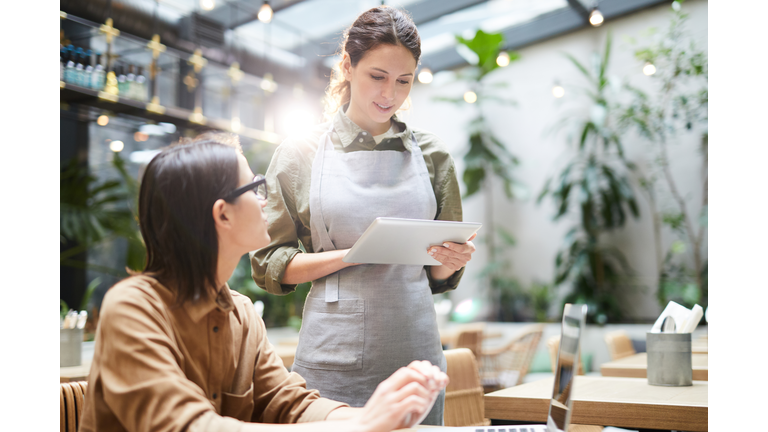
(450, 261)
(435, 375)
(403, 377)
(453, 255)
(417, 409)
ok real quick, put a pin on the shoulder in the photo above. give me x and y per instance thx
(432, 146)
(132, 294)
(301, 145)
(240, 299)
(133, 288)
(247, 311)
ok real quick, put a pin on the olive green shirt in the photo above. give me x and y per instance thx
(288, 182)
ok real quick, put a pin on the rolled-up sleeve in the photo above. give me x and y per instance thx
(268, 264)
(448, 197)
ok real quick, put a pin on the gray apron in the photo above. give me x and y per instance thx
(364, 322)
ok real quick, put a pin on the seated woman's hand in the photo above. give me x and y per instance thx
(405, 396)
(437, 381)
(454, 255)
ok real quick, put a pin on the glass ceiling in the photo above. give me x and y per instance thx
(320, 22)
(491, 16)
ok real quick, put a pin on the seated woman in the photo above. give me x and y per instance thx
(176, 349)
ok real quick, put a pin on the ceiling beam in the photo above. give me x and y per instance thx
(578, 6)
(543, 27)
(235, 13)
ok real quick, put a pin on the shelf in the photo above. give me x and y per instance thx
(74, 94)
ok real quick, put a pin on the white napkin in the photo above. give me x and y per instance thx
(686, 319)
(693, 320)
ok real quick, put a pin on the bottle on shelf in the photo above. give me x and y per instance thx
(121, 87)
(79, 67)
(98, 75)
(63, 57)
(88, 69)
(69, 71)
(141, 85)
(130, 83)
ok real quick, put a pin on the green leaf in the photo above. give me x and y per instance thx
(544, 191)
(473, 178)
(486, 46)
(589, 126)
(579, 66)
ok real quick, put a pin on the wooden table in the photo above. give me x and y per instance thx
(621, 402)
(700, 347)
(449, 336)
(635, 366)
(571, 428)
(75, 373)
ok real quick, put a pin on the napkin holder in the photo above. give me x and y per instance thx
(71, 346)
(669, 359)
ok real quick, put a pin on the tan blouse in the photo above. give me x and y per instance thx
(203, 366)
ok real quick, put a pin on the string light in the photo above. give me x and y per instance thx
(116, 146)
(103, 120)
(470, 97)
(265, 13)
(425, 76)
(268, 83)
(649, 69)
(503, 59)
(558, 91)
(596, 18)
(207, 4)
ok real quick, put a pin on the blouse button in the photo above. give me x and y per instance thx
(365, 133)
(216, 329)
(215, 396)
(361, 140)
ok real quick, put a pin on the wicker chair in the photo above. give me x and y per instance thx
(506, 366)
(619, 344)
(553, 344)
(71, 399)
(470, 336)
(464, 394)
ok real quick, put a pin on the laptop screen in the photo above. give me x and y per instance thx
(567, 367)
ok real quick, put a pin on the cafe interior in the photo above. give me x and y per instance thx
(579, 134)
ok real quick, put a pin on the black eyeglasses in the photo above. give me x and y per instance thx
(258, 186)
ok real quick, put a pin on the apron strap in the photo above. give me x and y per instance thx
(332, 280)
(332, 288)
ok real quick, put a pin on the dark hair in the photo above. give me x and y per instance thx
(178, 190)
(376, 26)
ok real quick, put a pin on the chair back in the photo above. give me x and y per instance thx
(553, 344)
(619, 344)
(470, 336)
(464, 394)
(71, 399)
(506, 366)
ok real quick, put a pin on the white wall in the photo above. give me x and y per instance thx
(522, 129)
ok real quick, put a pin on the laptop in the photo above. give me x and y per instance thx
(561, 404)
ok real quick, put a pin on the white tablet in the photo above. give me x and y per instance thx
(406, 241)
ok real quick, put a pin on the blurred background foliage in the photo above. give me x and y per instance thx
(678, 105)
(594, 186)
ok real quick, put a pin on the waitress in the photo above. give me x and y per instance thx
(362, 322)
